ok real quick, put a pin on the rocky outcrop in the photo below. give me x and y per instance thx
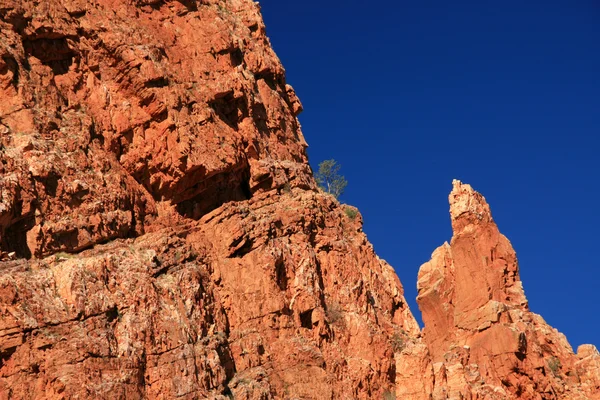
(110, 107)
(162, 236)
(161, 231)
(483, 340)
(275, 297)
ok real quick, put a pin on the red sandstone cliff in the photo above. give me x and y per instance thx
(483, 341)
(160, 226)
(161, 235)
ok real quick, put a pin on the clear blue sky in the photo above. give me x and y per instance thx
(502, 95)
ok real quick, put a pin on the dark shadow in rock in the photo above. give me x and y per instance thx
(15, 237)
(216, 190)
(13, 66)
(230, 110)
(54, 53)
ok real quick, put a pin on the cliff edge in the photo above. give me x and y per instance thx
(161, 233)
(162, 236)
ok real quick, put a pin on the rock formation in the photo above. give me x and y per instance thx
(161, 231)
(162, 236)
(483, 341)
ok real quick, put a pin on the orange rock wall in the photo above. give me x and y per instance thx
(160, 228)
(162, 236)
(110, 107)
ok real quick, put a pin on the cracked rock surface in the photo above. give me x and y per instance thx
(483, 340)
(162, 236)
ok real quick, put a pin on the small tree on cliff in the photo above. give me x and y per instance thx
(329, 178)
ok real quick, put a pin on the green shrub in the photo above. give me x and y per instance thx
(61, 256)
(388, 395)
(398, 342)
(554, 365)
(329, 178)
(351, 212)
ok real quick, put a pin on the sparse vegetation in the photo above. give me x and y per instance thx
(178, 255)
(351, 212)
(388, 395)
(329, 179)
(554, 365)
(334, 312)
(398, 342)
(60, 256)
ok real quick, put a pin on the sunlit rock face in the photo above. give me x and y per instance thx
(162, 236)
(112, 106)
(483, 340)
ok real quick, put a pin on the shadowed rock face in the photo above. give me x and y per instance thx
(161, 234)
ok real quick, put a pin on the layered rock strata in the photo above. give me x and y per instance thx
(276, 297)
(162, 236)
(111, 107)
(161, 231)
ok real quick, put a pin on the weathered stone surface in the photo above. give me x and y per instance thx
(161, 231)
(255, 299)
(109, 107)
(588, 368)
(483, 340)
(162, 236)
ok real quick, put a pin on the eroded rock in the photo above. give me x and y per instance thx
(483, 340)
(162, 236)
